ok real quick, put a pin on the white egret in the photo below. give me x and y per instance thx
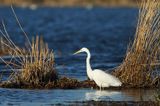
(101, 78)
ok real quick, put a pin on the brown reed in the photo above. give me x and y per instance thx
(141, 63)
(36, 64)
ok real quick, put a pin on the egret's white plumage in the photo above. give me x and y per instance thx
(101, 78)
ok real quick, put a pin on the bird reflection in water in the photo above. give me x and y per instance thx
(102, 95)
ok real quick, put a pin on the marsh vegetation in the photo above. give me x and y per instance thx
(141, 65)
(38, 66)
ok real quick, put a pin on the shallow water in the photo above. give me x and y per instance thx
(105, 31)
(58, 96)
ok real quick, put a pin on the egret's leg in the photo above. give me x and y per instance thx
(91, 88)
(101, 87)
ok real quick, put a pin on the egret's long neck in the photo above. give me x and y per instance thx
(89, 69)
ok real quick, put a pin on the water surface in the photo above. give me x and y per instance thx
(105, 31)
(58, 96)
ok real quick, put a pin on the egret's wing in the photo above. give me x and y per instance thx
(104, 77)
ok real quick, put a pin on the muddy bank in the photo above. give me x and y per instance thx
(117, 103)
(63, 83)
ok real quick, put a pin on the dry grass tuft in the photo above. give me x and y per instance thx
(142, 57)
(36, 64)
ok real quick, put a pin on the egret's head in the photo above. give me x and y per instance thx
(82, 50)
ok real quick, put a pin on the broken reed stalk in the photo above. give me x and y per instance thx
(3, 50)
(1, 46)
(142, 57)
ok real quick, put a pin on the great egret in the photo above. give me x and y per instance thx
(101, 78)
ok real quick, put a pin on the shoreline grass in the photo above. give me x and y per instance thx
(36, 61)
(141, 64)
(36, 64)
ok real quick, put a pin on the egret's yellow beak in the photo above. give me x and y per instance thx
(77, 52)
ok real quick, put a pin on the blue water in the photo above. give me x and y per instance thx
(105, 31)
(16, 97)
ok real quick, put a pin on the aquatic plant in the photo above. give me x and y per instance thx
(35, 62)
(38, 65)
(141, 63)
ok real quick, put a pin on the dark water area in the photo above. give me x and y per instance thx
(105, 31)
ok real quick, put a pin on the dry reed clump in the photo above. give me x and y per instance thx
(36, 64)
(141, 63)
